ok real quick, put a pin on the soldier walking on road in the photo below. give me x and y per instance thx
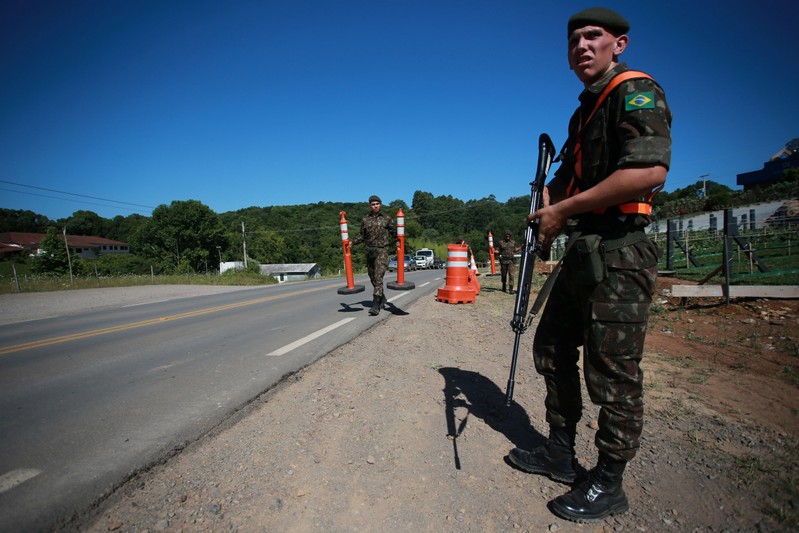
(615, 159)
(507, 250)
(377, 232)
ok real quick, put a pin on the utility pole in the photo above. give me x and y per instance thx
(704, 185)
(244, 243)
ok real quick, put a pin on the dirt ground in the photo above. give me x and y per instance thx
(405, 429)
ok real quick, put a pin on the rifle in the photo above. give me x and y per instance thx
(546, 154)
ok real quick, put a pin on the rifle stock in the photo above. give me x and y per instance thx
(519, 323)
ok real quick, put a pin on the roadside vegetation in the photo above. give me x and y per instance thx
(185, 241)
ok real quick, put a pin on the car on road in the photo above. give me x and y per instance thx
(410, 264)
(429, 256)
(421, 261)
(438, 263)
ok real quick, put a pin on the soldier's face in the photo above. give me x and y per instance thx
(374, 206)
(593, 51)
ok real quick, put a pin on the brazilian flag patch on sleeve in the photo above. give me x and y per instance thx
(639, 101)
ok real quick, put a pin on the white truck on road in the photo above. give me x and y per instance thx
(429, 256)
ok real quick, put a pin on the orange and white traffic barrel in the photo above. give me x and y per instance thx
(457, 289)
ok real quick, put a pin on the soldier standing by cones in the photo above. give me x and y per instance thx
(615, 158)
(377, 232)
(507, 250)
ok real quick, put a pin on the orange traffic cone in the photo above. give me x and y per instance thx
(457, 289)
(473, 273)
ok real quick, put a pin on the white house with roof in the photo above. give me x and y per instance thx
(282, 272)
(292, 271)
(85, 246)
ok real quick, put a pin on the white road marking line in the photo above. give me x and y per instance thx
(11, 479)
(146, 303)
(401, 294)
(308, 338)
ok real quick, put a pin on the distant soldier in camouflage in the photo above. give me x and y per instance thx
(378, 232)
(507, 249)
(615, 158)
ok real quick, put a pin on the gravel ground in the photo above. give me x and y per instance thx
(405, 429)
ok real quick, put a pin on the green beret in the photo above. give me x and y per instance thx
(599, 16)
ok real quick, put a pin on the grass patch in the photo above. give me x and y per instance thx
(64, 283)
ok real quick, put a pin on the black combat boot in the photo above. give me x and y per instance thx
(503, 288)
(375, 310)
(554, 459)
(383, 302)
(595, 498)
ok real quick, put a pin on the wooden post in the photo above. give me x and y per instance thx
(16, 279)
(69, 259)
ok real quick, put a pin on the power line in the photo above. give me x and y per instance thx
(74, 194)
(82, 202)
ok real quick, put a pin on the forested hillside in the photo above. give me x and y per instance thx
(187, 236)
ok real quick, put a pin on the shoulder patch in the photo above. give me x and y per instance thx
(639, 101)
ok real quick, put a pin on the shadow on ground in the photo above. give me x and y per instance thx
(484, 399)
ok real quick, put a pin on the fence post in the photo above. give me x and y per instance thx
(671, 229)
(730, 224)
(16, 278)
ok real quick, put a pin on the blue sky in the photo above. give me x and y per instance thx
(130, 104)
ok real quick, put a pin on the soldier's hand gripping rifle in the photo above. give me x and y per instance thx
(546, 154)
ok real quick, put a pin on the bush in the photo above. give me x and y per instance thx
(112, 265)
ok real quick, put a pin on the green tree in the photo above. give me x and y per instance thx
(717, 196)
(266, 246)
(22, 221)
(52, 257)
(123, 228)
(86, 223)
(181, 237)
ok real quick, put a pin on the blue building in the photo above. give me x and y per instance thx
(771, 172)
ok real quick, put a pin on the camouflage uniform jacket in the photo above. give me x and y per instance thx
(506, 250)
(624, 132)
(375, 231)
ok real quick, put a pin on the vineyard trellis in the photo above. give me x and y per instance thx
(737, 252)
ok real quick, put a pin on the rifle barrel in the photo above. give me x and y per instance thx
(511, 379)
(546, 152)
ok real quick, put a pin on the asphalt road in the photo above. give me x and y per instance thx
(90, 395)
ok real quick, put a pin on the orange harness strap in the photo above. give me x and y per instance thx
(628, 208)
(620, 78)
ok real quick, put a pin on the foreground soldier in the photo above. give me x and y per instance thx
(616, 157)
(376, 228)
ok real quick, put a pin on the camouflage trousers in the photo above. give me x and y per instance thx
(376, 265)
(507, 269)
(608, 319)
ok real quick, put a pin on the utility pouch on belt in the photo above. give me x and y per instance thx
(586, 262)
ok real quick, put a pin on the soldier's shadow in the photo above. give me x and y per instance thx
(394, 310)
(367, 304)
(483, 399)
